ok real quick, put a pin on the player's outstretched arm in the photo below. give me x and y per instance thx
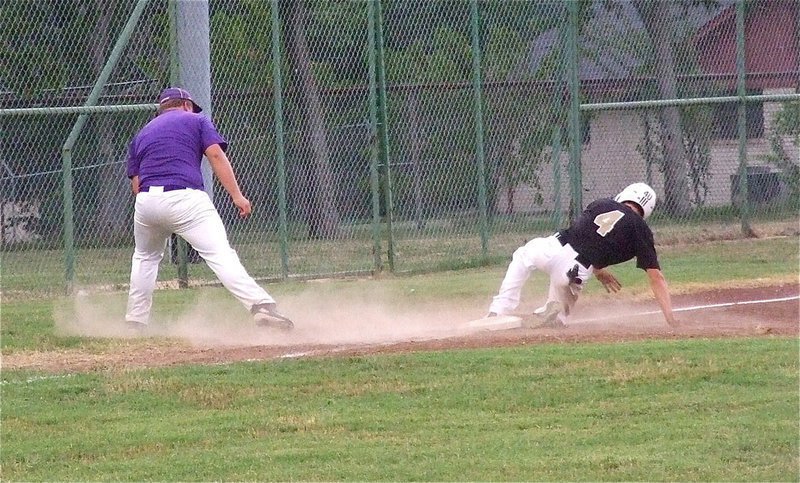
(659, 286)
(224, 171)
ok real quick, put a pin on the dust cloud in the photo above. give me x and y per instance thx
(331, 319)
(371, 317)
(363, 316)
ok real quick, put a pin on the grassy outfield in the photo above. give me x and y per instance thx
(659, 410)
(722, 410)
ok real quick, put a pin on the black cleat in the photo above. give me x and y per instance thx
(267, 315)
(548, 318)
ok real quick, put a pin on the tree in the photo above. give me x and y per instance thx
(110, 221)
(242, 82)
(429, 57)
(522, 118)
(658, 21)
(52, 56)
(319, 198)
(786, 127)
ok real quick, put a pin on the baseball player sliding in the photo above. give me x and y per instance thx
(608, 232)
(164, 168)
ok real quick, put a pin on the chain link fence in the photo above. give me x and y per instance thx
(397, 135)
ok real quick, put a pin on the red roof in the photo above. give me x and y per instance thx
(772, 55)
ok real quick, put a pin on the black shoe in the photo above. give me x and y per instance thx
(547, 318)
(267, 315)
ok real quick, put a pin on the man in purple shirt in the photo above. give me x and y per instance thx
(164, 168)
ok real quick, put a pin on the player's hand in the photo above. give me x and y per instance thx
(673, 322)
(244, 206)
(608, 280)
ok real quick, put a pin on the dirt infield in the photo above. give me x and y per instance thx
(741, 312)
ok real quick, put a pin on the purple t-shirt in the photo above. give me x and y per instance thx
(169, 149)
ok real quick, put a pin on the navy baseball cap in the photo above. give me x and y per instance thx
(171, 93)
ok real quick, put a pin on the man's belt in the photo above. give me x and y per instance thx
(580, 258)
(166, 187)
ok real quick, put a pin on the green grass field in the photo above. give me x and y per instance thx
(656, 411)
(677, 410)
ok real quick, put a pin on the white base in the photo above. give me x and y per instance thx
(500, 322)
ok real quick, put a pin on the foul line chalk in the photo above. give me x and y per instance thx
(699, 307)
(513, 322)
(730, 304)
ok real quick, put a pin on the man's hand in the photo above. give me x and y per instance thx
(608, 280)
(222, 169)
(677, 322)
(135, 185)
(244, 206)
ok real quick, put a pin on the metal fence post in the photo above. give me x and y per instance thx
(69, 215)
(557, 217)
(478, 108)
(175, 79)
(741, 108)
(280, 145)
(576, 183)
(374, 175)
(383, 129)
(192, 44)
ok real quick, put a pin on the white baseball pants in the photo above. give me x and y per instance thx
(191, 215)
(549, 256)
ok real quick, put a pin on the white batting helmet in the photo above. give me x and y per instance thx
(641, 194)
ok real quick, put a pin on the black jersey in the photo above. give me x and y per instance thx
(608, 233)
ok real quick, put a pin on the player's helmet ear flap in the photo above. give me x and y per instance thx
(641, 194)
